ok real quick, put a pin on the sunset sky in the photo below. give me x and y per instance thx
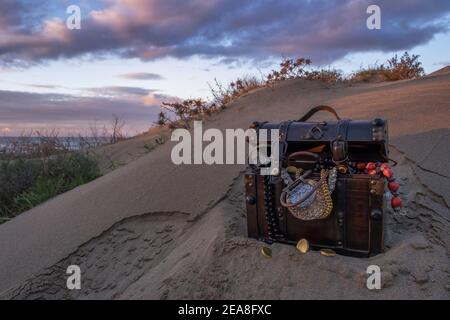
(132, 54)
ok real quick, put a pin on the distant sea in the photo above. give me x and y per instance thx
(72, 143)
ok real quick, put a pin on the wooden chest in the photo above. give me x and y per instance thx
(355, 226)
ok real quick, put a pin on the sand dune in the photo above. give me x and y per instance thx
(151, 229)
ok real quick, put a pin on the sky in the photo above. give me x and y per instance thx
(131, 55)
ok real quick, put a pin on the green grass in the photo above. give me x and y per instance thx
(26, 183)
(41, 191)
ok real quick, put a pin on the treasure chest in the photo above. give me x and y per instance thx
(329, 188)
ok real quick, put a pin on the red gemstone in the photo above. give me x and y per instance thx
(384, 166)
(371, 166)
(387, 173)
(393, 186)
(372, 172)
(396, 202)
(360, 166)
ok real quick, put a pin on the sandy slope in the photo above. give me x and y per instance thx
(151, 229)
(112, 156)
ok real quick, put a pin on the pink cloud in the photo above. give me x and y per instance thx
(324, 30)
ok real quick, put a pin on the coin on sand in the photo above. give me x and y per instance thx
(327, 252)
(303, 245)
(266, 252)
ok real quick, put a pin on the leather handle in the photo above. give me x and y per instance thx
(294, 155)
(314, 110)
(304, 153)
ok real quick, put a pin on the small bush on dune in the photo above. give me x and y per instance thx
(183, 112)
(407, 67)
(325, 75)
(371, 74)
(403, 68)
(223, 95)
(289, 69)
(298, 69)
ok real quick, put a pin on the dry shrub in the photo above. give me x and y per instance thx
(298, 69)
(374, 73)
(405, 67)
(223, 95)
(106, 134)
(184, 112)
(116, 132)
(38, 144)
(289, 69)
(325, 75)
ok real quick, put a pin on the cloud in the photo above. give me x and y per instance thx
(442, 63)
(141, 76)
(324, 30)
(43, 86)
(152, 99)
(118, 91)
(23, 110)
(146, 97)
(10, 13)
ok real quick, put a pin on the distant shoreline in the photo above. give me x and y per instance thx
(71, 143)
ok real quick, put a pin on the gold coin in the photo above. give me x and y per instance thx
(266, 252)
(291, 169)
(342, 168)
(327, 252)
(303, 245)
